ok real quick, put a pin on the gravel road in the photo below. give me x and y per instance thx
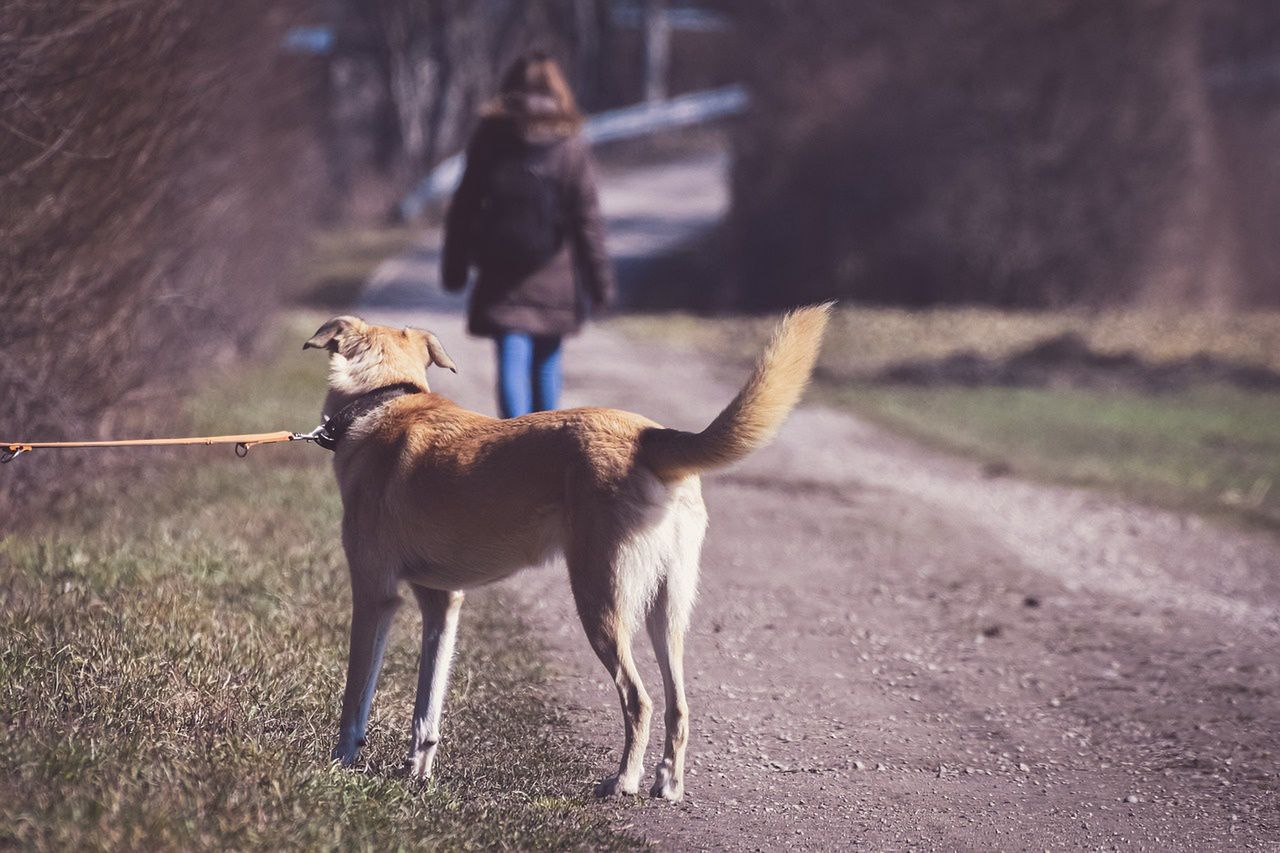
(894, 651)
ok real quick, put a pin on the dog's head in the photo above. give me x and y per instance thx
(364, 357)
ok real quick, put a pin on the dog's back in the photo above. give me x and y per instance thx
(473, 498)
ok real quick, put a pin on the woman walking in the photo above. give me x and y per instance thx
(527, 217)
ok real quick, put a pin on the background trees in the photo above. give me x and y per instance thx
(157, 167)
(1049, 153)
(162, 160)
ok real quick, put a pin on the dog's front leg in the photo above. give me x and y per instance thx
(439, 632)
(371, 614)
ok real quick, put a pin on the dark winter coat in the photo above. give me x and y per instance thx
(551, 298)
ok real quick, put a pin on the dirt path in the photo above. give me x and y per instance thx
(894, 651)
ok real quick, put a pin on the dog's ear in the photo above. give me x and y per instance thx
(435, 350)
(330, 336)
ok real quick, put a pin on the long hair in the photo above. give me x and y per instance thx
(536, 75)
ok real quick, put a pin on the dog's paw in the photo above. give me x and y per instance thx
(615, 785)
(345, 756)
(421, 761)
(665, 786)
(347, 749)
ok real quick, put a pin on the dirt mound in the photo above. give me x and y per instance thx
(1067, 361)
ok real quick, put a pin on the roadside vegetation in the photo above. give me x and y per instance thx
(171, 660)
(160, 174)
(1116, 415)
(342, 259)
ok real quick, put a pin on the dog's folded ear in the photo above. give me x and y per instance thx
(330, 336)
(435, 350)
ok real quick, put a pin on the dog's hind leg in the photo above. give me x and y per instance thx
(613, 646)
(372, 608)
(439, 631)
(668, 621)
(666, 630)
(608, 618)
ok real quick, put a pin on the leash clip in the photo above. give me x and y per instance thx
(316, 434)
(12, 452)
(320, 435)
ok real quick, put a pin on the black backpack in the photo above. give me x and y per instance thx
(521, 224)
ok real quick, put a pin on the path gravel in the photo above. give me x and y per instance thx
(895, 651)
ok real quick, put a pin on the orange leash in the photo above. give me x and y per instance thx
(10, 450)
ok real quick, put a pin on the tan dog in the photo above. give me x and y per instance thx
(447, 499)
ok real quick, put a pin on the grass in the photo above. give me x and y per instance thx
(342, 259)
(864, 340)
(1208, 449)
(171, 659)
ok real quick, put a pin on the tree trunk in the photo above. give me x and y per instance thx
(1194, 257)
(657, 50)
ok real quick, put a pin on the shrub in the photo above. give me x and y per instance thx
(156, 170)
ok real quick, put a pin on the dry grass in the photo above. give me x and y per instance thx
(342, 259)
(1209, 449)
(864, 340)
(171, 658)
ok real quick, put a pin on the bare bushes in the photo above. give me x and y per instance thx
(1017, 154)
(155, 172)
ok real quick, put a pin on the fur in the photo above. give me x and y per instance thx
(446, 500)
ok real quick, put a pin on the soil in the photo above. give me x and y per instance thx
(897, 651)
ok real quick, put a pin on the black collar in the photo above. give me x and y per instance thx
(335, 428)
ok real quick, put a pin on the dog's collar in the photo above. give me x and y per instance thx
(335, 428)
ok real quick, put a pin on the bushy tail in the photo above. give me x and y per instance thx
(752, 419)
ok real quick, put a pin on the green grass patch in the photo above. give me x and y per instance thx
(172, 655)
(1208, 449)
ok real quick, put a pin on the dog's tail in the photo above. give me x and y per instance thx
(752, 419)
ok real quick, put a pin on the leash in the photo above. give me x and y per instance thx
(327, 435)
(11, 450)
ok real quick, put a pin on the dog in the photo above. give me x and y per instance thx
(446, 500)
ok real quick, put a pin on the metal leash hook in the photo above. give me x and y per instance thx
(315, 434)
(243, 447)
(12, 452)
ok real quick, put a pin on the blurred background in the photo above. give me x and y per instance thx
(1016, 556)
(168, 165)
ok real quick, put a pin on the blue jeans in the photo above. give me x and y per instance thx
(528, 373)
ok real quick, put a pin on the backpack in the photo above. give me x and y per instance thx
(522, 224)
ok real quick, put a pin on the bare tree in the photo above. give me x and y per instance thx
(437, 60)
